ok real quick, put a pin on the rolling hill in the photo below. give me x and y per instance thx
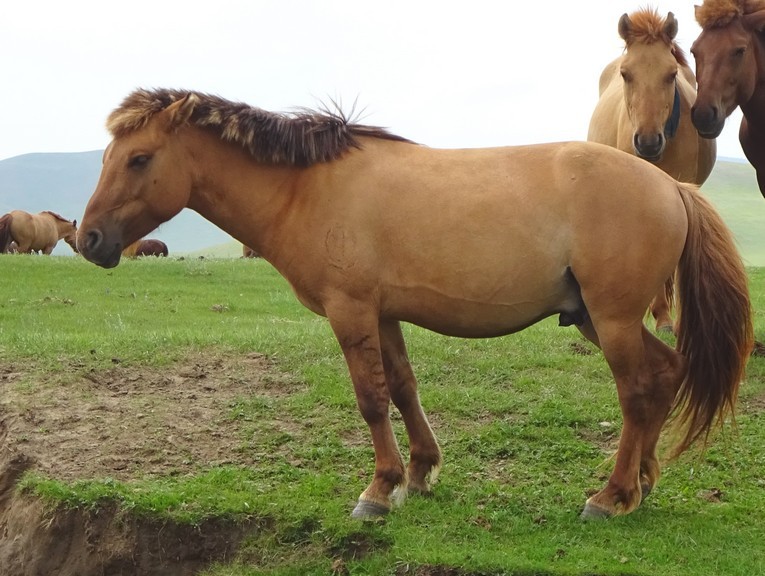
(63, 182)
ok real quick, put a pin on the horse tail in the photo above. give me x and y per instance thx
(715, 332)
(5, 232)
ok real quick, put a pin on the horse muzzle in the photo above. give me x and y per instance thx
(707, 120)
(95, 247)
(649, 146)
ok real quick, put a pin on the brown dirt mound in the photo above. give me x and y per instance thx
(124, 423)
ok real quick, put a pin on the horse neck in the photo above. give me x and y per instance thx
(754, 108)
(228, 183)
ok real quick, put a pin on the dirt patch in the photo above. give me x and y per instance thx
(123, 423)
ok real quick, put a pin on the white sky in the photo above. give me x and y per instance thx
(443, 73)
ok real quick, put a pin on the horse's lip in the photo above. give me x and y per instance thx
(710, 135)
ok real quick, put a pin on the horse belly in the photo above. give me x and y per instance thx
(494, 309)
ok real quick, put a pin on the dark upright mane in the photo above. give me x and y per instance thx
(301, 138)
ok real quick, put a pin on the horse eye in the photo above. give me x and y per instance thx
(626, 76)
(739, 52)
(139, 161)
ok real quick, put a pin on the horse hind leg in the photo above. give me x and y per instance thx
(661, 307)
(424, 453)
(648, 374)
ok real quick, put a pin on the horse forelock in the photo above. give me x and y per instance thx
(647, 27)
(719, 13)
(301, 138)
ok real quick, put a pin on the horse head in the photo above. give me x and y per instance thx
(649, 70)
(71, 237)
(141, 185)
(726, 60)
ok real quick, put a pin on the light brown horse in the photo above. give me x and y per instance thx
(645, 109)
(36, 232)
(371, 230)
(730, 66)
(145, 247)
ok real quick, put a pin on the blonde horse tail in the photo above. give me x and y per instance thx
(714, 332)
(5, 232)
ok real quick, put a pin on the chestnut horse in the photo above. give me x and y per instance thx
(645, 109)
(371, 229)
(147, 247)
(730, 66)
(36, 232)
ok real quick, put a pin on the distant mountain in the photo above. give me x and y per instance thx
(64, 183)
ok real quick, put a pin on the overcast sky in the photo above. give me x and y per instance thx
(446, 74)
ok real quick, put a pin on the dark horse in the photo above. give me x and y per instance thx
(371, 230)
(147, 247)
(730, 70)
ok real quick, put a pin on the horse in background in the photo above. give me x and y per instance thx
(36, 232)
(372, 230)
(145, 247)
(645, 110)
(248, 252)
(730, 67)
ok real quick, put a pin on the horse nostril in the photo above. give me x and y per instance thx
(92, 240)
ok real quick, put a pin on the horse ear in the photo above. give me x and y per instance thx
(755, 21)
(179, 112)
(625, 24)
(670, 26)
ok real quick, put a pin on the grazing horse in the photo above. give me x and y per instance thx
(645, 109)
(730, 66)
(371, 229)
(248, 252)
(147, 247)
(36, 232)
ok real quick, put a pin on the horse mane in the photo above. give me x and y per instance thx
(56, 216)
(719, 13)
(648, 28)
(301, 138)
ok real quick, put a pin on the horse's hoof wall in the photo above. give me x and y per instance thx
(592, 512)
(645, 490)
(366, 510)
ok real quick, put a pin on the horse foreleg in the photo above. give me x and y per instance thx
(424, 453)
(360, 343)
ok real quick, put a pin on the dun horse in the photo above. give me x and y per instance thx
(147, 247)
(645, 109)
(36, 232)
(730, 66)
(371, 230)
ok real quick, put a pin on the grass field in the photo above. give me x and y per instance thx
(526, 423)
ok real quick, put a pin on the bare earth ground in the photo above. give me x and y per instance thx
(123, 423)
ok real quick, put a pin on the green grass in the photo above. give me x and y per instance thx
(521, 421)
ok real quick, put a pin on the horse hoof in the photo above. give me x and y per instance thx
(667, 329)
(366, 510)
(593, 512)
(645, 490)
